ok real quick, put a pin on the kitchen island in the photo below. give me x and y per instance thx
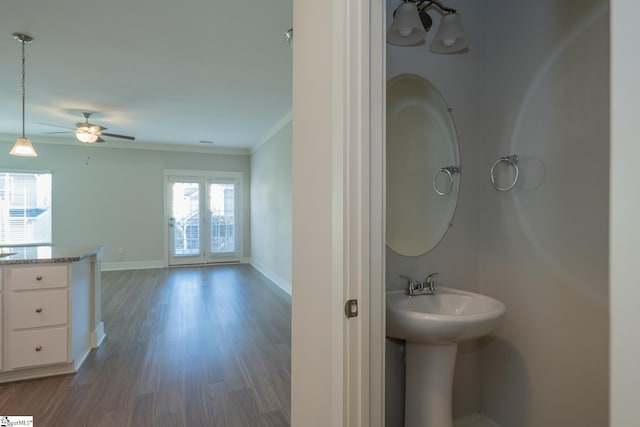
(50, 309)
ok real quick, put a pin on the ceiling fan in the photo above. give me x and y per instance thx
(89, 132)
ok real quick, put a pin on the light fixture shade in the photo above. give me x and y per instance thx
(86, 137)
(450, 37)
(406, 28)
(23, 148)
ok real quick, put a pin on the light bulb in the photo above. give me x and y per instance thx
(88, 138)
(404, 32)
(449, 41)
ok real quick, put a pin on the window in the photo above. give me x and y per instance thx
(25, 208)
(222, 212)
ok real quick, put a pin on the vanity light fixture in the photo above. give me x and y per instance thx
(411, 23)
(23, 146)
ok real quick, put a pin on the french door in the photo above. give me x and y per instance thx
(204, 224)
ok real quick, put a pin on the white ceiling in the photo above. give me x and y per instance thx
(164, 71)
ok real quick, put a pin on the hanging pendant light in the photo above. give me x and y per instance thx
(23, 145)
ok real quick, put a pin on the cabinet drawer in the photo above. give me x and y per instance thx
(50, 276)
(38, 347)
(37, 309)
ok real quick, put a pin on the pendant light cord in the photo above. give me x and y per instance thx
(23, 86)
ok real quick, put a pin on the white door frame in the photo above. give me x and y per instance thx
(207, 176)
(624, 231)
(338, 213)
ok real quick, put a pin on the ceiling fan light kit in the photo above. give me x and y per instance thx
(90, 133)
(86, 132)
(23, 146)
(86, 137)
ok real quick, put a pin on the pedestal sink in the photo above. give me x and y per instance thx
(432, 325)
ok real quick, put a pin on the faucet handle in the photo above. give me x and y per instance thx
(411, 284)
(430, 281)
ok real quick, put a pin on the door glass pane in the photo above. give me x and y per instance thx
(221, 207)
(186, 224)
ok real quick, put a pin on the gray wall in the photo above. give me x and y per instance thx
(544, 245)
(271, 208)
(535, 83)
(115, 196)
(455, 258)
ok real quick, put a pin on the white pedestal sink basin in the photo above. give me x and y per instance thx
(432, 326)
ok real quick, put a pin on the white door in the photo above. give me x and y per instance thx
(338, 213)
(204, 224)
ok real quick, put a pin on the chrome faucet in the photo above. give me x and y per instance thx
(427, 287)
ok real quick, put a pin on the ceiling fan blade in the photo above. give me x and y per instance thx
(64, 131)
(99, 140)
(115, 135)
(56, 126)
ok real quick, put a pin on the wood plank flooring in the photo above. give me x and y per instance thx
(195, 346)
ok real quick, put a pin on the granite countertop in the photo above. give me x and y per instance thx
(46, 254)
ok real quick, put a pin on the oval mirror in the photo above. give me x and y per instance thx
(423, 165)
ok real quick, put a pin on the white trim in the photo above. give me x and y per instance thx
(132, 265)
(475, 420)
(346, 394)
(624, 210)
(283, 284)
(377, 196)
(38, 372)
(98, 335)
(363, 210)
(78, 361)
(137, 145)
(284, 121)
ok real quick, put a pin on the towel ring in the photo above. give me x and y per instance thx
(449, 171)
(511, 160)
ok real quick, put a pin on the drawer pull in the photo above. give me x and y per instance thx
(38, 310)
(38, 277)
(39, 348)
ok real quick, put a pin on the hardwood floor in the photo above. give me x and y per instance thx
(196, 346)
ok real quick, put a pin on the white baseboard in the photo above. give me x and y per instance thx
(283, 284)
(474, 420)
(132, 265)
(98, 335)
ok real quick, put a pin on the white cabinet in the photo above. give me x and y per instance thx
(36, 315)
(50, 316)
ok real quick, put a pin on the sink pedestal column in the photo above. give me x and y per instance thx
(429, 382)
